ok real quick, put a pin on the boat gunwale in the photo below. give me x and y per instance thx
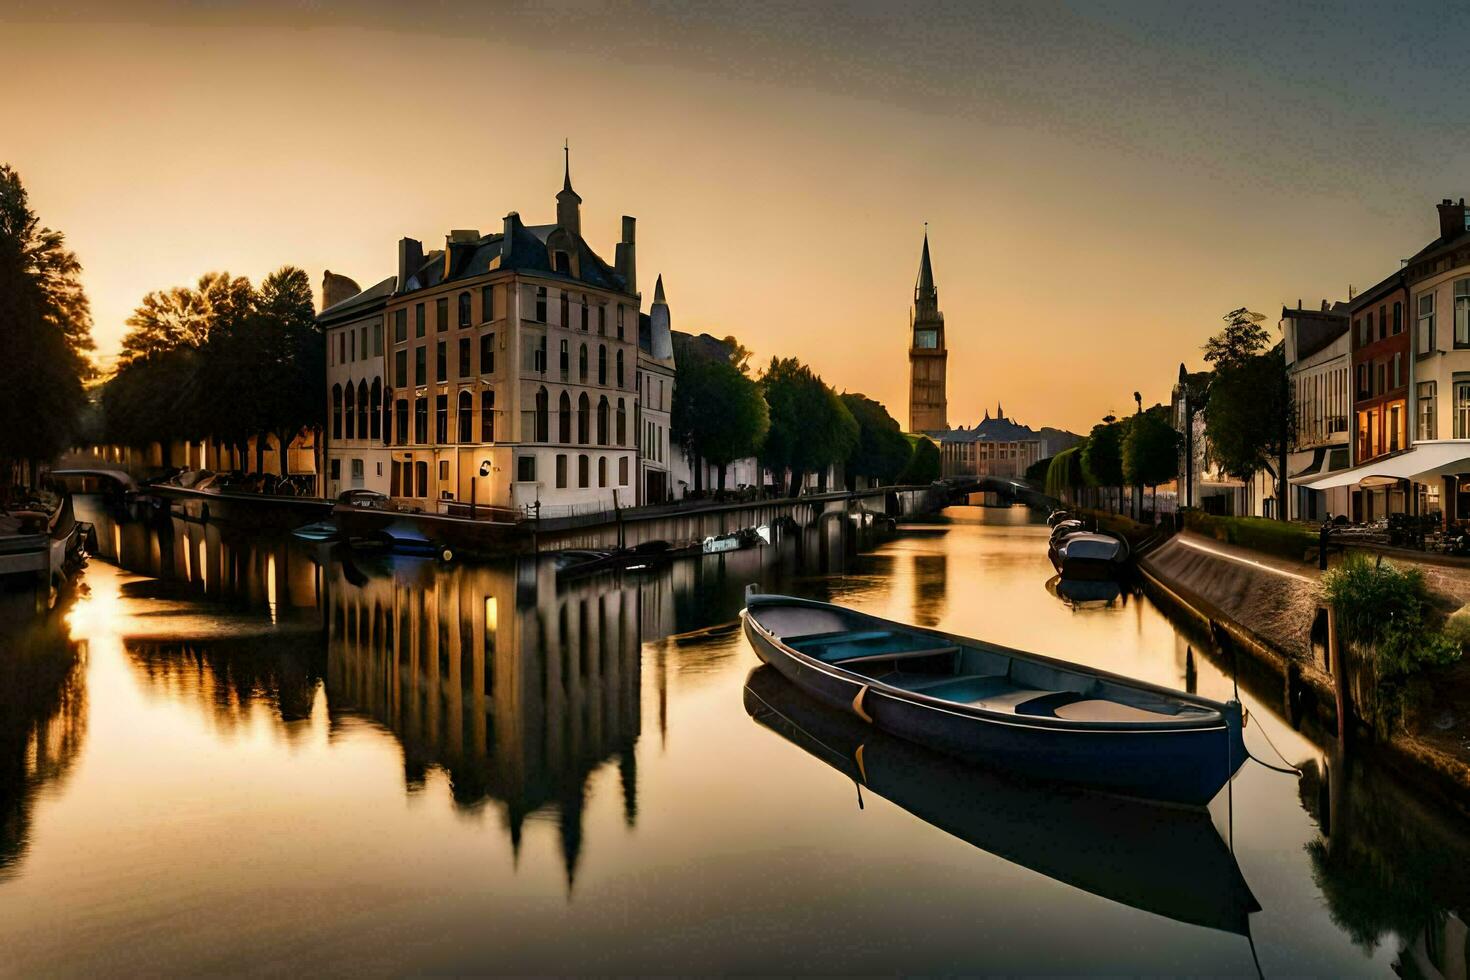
(1220, 721)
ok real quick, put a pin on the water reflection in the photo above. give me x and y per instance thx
(43, 718)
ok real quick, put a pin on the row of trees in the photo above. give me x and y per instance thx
(1139, 451)
(46, 331)
(222, 360)
(787, 417)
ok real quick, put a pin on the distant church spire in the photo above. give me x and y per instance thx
(1000, 413)
(928, 357)
(924, 289)
(568, 201)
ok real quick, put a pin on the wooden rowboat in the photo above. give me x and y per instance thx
(1019, 712)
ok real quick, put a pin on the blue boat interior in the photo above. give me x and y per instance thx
(934, 667)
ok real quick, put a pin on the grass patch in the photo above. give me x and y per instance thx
(1259, 533)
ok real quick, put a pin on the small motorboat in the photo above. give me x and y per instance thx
(1057, 516)
(1089, 555)
(734, 541)
(318, 531)
(1020, 712)
(1164, 859)
(1061, 529)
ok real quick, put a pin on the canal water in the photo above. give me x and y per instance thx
(229, 753)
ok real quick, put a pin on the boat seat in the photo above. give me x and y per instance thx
(971, 689)
(1093, 709)
(896, 655)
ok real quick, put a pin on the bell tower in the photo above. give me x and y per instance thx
(928, 358)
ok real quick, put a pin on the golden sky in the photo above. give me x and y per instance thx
(1101, 182)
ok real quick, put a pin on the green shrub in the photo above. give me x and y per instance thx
(1260, 533)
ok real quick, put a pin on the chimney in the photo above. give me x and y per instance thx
(459, 245)
(1452, 223)
(336, 288)
(508, 237)
(1325, 307)
(410, 257)
(626, 256)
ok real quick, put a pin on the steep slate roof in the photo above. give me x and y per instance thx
(991, 430)
(528, 253)
(376, 293)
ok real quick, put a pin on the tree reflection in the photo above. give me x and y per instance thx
(43, 722)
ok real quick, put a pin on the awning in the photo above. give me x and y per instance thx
(1313, 469)
(1325, 461)
(1426, 461)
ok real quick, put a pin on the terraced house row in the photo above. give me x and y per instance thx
(512, 370)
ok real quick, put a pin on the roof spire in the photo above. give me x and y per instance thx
(1000, 413)
(925, 286)
(658, 289)
(566, 180)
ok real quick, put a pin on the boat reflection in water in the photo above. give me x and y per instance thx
(1087, 593)
(1163, 859)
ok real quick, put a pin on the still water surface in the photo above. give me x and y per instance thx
(238, 754)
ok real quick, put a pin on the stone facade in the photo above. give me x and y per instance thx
(928, 356)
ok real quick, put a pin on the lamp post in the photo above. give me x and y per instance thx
(485, 469)
(1188, 438)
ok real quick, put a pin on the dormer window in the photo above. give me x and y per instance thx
(561, 262)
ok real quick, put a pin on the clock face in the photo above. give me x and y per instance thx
(926, 338)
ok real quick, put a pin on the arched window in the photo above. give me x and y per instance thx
(584, 419)
(602, 364)
(602, 421)
(336, 411)
(464, 309)
(466, 415)
(622, 423)
(377, 408)
(582, 364)
(564, 419)
(582, 470)
(487, 415)
(543, 409)
(620, 369)
(349, 413)
(602, 471)
(362, 409)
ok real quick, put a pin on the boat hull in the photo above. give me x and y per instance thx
(1179, 765)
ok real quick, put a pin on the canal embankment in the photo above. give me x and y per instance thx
(1273, 610)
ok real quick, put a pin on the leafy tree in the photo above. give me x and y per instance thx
(1249, 418)
(1065, 477)
(739, 354)
(717, 414)
(186, 316)
(1036, 472)
(810, 427)
(1102, 456)
(925, 464)
(46, 327)
(1151, 451)
(881, 452)
(1242, 338)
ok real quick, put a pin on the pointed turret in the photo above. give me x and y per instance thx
(568, 201)
(660, 324)
(925, 286)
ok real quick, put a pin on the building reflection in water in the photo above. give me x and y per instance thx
(931, 588)
(43, 719)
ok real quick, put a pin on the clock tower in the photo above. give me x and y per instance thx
(928, 359)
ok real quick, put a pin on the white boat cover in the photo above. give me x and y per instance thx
(1099, 547)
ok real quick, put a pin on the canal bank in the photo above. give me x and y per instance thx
(1272, 610)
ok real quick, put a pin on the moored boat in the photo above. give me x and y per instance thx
(1089, 555)
(1016, 711)
(1163, 859)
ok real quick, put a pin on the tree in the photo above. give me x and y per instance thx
(1242, 338)
(1064, 477)
(1102, 456)
(1249, 418)
(881, 452)
(717, 414)
(186, 316)
(1036, 472)
(46, 326)
(739, 354)
(924, 466)
(810, 427)
(1151, 451)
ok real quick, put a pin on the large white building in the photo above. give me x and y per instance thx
(1319, 365)
(357, 450)
(510, 371)
(655, 401)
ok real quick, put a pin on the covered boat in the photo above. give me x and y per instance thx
(1015, 711)
(1163, 859)
(1089, 555)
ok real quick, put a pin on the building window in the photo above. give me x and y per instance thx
(379, 409)
(421, 470)
(602, 471)
(441, 419)
(1382, 322)
(421, 420)
(584, 420)
(487, 353)
(543, 423)
(566, 362)
(561, 471)
(582, 471)
(1462, 313)
(540, 304)
(622, 471)
(362, 410)
(1425, 341)
(418, 320)
(566, 308)
(620, 321)
(487, 304)
(378, 339)
(602, 364)
(601, 320)
(400, 367)
(1395, 427)
(1363, 391)
(1368, 324)
(348, 414)
(582, 364)
(466, 416)
(619, 373)
(464, 309)
(336, 469)
(1398, 378)
(400, 422)
(357, 472)
(1382, 377)
(564, 419)
(602, 420)
(420, 366)
(336, 411)
(526, 469)
(1462, 409)
(441, 361)
(585, 314)
(561, 262)
(464, 357)
(1358, 329)
(1398, 318)
(622, 423)
(1425, 430)
(487, 415)
(400, 326)
(441, 314)
(444, 472)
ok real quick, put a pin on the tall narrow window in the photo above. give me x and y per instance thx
(466, 416)
(566, 315)
(400, 368)
(620, 369)
(602, 364)
(584, 314)
(418, 320)
(400, 421)
(584, 421)
(421, 470)
(1462, 409)
(441, 419)
(487, 304)
(441, 361)
(1425, 430)
(582, 364)
(400, 326)
(540, 304)
(561, 471)
(379, 416)
(620, 321)
(378, 338)
(420, 420)
(601, 320)
(362, 409)
(1398, 360)
(487, 353)
(1398, 318)
(1462, 313)
(543, 409)
(622, 423)
(348, 414)
(602, 471)
(464, 357)
(564, 419)
(464, 309)
(420, 366)
(336, 411)
(582, 471)
(1424, 343)
(487, 415)
(566, 362)
(602, 420)
(441, 314)
(622, 471)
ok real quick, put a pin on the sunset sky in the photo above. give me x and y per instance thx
(1102, 181)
